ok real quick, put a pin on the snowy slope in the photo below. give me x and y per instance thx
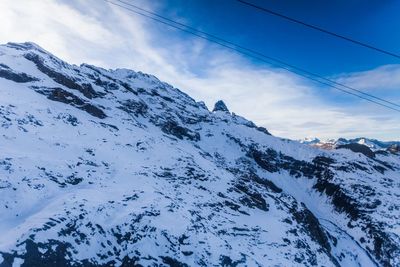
(116, 168)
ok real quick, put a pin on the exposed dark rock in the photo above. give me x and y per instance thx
(68, 118)
(109, 126)
(234, 206)
(128, 88)
(382, 152)
(220, 106)
(265, 182)
(271, 161)
(226, 261)
(9, 74)
(54, 255)
(358, 149)
(395, 149)
(171, 262)
(171, 127)
(265, 160)
(379, 168)
(323, 161)
(384, 247)
(60, 95)
(313, 229)
(86, 89)
(137, 108)
(264, 130)
(251, 198)
(128, 262)
(312, 226)
(187, 253)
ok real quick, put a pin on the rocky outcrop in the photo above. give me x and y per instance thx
(358, 149)
(220, 106)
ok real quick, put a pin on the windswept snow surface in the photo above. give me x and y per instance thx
(116, 168)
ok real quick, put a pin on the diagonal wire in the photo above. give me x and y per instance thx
(260, 54)
(271, 12)
(256, 55)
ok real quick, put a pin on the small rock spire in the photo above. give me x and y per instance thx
(220, 106)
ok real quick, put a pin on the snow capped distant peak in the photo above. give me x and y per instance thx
(362, 141)
(309, 140)
(373, 144)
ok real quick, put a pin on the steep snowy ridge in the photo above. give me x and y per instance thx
(116, 168)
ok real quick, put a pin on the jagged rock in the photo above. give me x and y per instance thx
(264, 130)
(60, 95)
(202, 105)
(394, 148)
(220, 106)
(7, 73)
(358, 149)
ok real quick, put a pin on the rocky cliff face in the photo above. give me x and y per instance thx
(116, 168)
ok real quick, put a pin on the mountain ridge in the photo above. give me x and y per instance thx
(114, 167)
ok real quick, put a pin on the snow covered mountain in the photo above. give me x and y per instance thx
(373, 144)
(116, 168)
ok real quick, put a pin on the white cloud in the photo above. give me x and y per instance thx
(383, 78)
(95, 32)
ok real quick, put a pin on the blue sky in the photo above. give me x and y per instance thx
(373, 22)
(95, 32)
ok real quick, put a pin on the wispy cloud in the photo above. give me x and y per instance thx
(383, 78)
(95, 32)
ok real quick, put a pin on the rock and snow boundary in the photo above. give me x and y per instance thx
(116, 168)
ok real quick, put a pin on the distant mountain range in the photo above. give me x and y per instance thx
(117, 168)
(372, 144)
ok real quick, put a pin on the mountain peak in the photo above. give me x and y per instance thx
(116, 168)
(25, 46)
(220, 106)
